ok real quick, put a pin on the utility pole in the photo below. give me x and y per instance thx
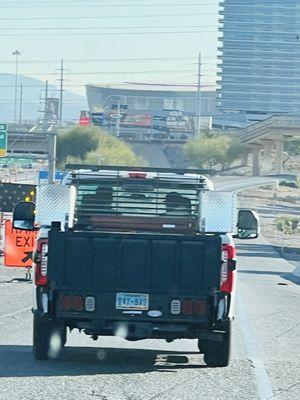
(51, 140)
(198, 124)
(62, 70)
(16, 53)
(21, 105)
(52, 135)
(118, 118)
(45, 119)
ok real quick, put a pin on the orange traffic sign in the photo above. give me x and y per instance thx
(18, 247)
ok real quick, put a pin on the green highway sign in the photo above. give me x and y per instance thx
(16, 161)
(3, 140)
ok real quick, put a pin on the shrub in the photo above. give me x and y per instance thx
(287, 224)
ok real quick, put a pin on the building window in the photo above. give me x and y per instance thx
(140, 103)
(169, 104)
(179, 105)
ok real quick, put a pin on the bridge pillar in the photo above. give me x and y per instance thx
(269, 146)
(279, 156)
(245, 160)
(256, 161)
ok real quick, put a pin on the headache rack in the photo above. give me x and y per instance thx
(131, 198)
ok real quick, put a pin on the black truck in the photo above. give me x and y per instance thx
(133, 263)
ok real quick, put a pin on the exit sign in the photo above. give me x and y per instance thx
(3, 140)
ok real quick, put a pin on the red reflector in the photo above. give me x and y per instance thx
(139, 175)
(187, 307)
(199, 307)
(78, 303)
(66, 303)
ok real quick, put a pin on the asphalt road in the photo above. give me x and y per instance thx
(265, 357)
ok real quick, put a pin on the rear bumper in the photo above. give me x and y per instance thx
(155, 329)
(106, 320)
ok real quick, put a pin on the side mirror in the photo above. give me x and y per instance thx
(23, 216)
(248, 225)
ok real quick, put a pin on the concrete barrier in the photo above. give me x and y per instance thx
(296, 273)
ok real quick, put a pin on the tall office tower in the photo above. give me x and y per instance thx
(259, 56)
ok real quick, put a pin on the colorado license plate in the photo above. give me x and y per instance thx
(132, 301)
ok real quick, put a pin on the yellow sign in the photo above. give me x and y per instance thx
(3, 143)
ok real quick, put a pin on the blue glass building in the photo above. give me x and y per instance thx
(259, 56)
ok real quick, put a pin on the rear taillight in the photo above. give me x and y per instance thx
(188, 307)
(199, 307)
(41, 261)
(77, 303)
(227, 278)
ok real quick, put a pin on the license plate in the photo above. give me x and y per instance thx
(132, 301)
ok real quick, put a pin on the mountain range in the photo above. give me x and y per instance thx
(33, 94)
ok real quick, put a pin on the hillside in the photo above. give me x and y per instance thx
(33, 92)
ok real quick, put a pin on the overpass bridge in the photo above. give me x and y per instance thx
(268, 136)
(30, 144)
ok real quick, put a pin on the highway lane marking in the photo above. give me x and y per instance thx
(263, 382)
(27, 308)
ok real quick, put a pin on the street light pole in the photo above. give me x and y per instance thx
(16, 53)
(61, 91)
(198, 125)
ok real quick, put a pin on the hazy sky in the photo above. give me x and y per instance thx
(47, 30)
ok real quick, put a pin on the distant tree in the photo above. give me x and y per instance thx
(205, 151)
(236, 150)
(292, 147)
(91, 145)
(208, 151)
(77, 142)
(113, 151)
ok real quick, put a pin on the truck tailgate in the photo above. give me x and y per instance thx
(134, 263)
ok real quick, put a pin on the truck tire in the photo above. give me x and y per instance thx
(43, 329)
(217, 354)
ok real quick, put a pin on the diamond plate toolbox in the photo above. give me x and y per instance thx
(218, 212)
(55, 203)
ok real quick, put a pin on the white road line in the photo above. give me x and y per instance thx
(263, 382)
(27, 308)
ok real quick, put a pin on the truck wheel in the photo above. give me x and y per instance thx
(217, 354)
(43, 330)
